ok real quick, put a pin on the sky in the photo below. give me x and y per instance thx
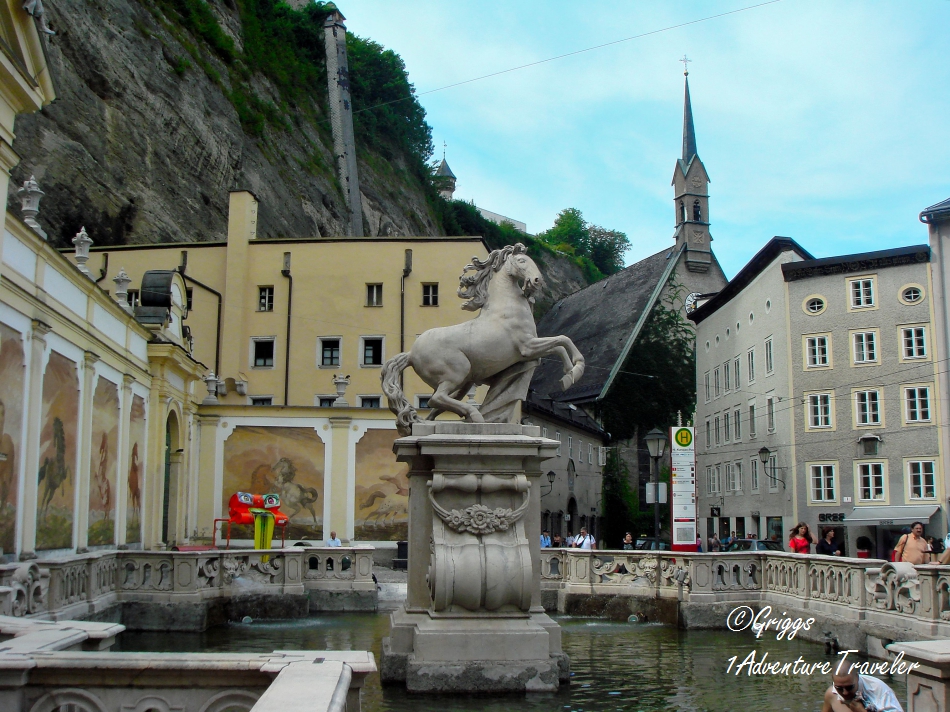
(825, 121)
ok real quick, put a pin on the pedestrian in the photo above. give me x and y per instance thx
(584, 540)
(699, 544)
(851, 692)
(829, 546)
(569, 541)
(556, 542)
(545, 539)
(333, 541)
(801, 539)
(628, 543)
(714, 543)
(728, 540)
(913, 548)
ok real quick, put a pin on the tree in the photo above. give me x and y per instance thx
(598, 251)
(607, 248)
(570, 228)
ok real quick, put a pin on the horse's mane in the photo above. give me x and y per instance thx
(474, 287)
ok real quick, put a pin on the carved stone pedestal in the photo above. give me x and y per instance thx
(473, 620)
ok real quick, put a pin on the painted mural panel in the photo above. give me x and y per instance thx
(136, 484)
(288, 461)
(57, 476)
(382, 489)
(102, 467)
(12, 373)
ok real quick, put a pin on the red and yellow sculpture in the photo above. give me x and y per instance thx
(260, 510)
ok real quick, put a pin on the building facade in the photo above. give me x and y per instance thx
(829, 413)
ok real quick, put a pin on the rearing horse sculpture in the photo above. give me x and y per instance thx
(500, 347)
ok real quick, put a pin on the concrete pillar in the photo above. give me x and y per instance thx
(84, 430)
(122, 468)
(341, 119)
(242, 228)
(206, 467)
(34, 424)
(927, 685)
(336, 480)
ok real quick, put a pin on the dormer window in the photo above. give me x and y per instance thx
(697, 211)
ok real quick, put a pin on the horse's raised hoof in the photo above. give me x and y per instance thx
(567, 381)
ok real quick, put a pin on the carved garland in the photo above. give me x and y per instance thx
(479, 519)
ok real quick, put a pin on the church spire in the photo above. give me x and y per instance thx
(689, 133)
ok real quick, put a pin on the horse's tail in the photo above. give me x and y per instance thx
(398, 403)
(310, 495)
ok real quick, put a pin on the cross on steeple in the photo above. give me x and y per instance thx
(684, 60)
(444, 145)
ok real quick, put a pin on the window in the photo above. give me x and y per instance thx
(372, 351)
(424, 402)
(263, 353)
(265, 299)
(867, 407)
(816, 352)
(823, 483)
(570, 446)
(718, 381)
(869, 446)
(770, 414)
(865, 347)
(370, 401)
(918, 404)
(327, 401)
(708, 433)
(914, 342)
(922, 484)
(329, 352)
(754, 473)
(590, 453)
(819, 410)
(751, 420)
(709, 480)
(706, 385)
(815, 305)
(751, 365)
(557, 436)
(718, 431)
(736, 429)
(189, 298)
(374, 295)
(262, 400)
(717, 478)
(912, 294)
(727, 429)
(133, 298)
(735, 372)
(430, 295)
(871, 480)
(726, 373)
(773, 472)
(769, 361)
(734, 476)
(697, 211)
(862, 293)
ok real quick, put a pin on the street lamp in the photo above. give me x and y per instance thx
(764, 456)
(551, 477)
(656, 444)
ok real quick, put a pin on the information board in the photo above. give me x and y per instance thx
(683, 500)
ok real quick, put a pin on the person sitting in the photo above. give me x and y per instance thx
(851, 692)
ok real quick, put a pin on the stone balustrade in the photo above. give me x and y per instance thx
(901, 601)
(332, 578)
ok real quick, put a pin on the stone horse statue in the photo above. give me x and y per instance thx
(500, 347)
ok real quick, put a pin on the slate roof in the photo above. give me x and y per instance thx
(601, 320)
(940, 211)
(444, 170)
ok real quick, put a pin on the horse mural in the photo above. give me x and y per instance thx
(499, 348)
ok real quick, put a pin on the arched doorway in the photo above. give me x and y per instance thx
(170, 488)
(572, 525)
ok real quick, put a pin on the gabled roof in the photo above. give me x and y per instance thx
(936, 213)
(762, 259)
(444, 170)
(603, 320)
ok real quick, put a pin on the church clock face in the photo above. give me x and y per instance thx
(691, 301)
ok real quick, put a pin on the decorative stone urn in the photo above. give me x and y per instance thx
(473, 620)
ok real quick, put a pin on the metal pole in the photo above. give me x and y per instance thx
(656, 501)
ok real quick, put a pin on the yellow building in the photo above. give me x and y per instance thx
(294, 332)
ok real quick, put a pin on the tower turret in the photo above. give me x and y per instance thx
(691, 195)
(448, 180)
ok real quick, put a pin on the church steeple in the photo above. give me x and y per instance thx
(691, 194)
(689, 133)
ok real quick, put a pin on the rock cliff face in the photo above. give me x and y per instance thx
(142, 146)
